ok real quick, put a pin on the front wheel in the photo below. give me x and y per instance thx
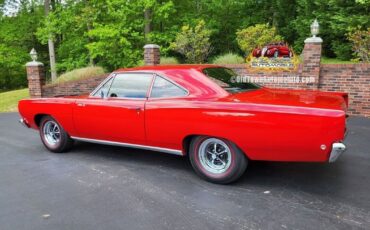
(217, 160)
(53, 136)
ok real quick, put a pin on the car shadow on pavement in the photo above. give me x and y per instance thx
(130, 155)
(310, 177)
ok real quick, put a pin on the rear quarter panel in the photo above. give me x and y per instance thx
(263, 132)
(59, 108)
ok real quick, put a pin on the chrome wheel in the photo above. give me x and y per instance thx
(51, 133)
(214, 155)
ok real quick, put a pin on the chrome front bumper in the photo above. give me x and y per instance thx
(24, 123)
(337, 149)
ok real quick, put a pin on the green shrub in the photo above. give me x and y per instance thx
(140, 63)
(78, 74)
(169, 61)
(229, 58)
(193, 43)
(343, 51)
(256, 36)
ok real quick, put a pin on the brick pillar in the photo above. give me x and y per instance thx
(311, 60)
(151, 54)
(36, 78)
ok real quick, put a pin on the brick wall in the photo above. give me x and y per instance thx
(351, 78)
(152, 54)
(79, 87)
(36, 78)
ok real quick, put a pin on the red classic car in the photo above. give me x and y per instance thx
(196, 111)
(275, 50)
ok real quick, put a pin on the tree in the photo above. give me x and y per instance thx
(193, 43)
(51, 46)
(112, 33)
(16, 40)
(336, 18)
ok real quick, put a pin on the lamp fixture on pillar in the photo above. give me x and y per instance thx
(315, 28)
(33, 55)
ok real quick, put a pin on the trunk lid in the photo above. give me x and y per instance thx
(300, 98)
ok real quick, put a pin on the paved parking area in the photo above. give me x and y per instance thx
(105, 187)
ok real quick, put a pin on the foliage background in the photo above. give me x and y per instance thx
(111, 33)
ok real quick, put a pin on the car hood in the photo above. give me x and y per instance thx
(300, 98)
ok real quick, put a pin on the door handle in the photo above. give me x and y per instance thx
(81, 104)
(137, 109)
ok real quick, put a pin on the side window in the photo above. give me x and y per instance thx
(130, 85)
(103, 91)
(165, 88)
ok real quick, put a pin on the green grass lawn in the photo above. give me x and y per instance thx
(9, 100)
(325, 60)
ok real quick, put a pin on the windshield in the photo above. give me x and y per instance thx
(227, 79)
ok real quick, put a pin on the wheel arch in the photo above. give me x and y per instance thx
(38, 117)
(187, 141)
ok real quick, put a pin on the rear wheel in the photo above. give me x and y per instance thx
(217, 160)
(53, 136)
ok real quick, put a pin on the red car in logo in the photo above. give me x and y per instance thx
(275, 50)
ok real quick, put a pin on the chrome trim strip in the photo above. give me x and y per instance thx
(336, 150)
(146, 147)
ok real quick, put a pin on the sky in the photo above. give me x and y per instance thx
(10, 7)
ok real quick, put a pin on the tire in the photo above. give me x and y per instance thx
(224, 166)
(53, 136)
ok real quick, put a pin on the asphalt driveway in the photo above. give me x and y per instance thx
(105, 187)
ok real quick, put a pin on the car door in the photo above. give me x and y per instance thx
(116, 110)
(166, 114)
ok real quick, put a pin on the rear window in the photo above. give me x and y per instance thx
(164, 88)
(226, 78)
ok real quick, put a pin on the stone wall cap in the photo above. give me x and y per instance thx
(34, 63)
(151, 46)
(313, 40)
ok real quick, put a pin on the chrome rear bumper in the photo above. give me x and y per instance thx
(337, 149)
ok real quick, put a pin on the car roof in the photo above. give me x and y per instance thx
(198, 67)
(189, 77)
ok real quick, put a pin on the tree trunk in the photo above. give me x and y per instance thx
(91, 59)
(148, 23)
(51, 47)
